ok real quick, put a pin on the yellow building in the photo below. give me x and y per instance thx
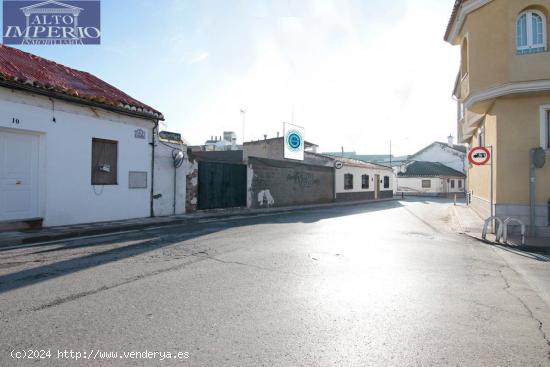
(503, 94)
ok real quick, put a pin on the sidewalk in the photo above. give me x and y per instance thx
(471, 224)
(14, 238)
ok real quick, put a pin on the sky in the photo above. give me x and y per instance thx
(354, 73)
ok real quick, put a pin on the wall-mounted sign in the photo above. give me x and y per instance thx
(167, 135)
(338, 164)
(479, 156)
(139, 134)
(294, 142)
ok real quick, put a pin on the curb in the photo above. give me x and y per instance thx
(537, 249)
(30, 239)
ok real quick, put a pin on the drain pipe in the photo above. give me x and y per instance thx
(151, 209)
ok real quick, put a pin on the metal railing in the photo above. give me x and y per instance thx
(502, 229)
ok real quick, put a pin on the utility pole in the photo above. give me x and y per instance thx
(243, 112)
(390, 153)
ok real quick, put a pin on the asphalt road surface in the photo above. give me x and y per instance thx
(385, 284)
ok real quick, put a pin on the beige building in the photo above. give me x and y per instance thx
(503, 94)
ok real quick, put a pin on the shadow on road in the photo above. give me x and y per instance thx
(147, 240)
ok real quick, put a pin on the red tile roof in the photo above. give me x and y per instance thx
(47, 77)
(456, 6)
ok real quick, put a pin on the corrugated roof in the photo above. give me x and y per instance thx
(18, 68)
(429, 169)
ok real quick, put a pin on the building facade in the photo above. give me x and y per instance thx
(449, 154)
(503, 94)
(419, 178)
(73, 149)
(356, 180)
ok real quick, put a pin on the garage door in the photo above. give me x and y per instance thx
(18, 176)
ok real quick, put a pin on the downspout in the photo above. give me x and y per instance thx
(152, 212)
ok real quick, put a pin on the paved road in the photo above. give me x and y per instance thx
(386, 284)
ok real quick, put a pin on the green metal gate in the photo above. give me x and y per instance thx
(221, 185)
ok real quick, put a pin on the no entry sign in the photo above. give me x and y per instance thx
(479, 156)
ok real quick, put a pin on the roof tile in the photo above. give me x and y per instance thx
(429, 169)
(24, 68)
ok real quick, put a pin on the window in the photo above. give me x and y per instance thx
(545, 127)
(460, 111)
(464, 59)
(348, 181)
(452, 184)
(365, 181)
(531, 32)
(459, 184)
(104, 162)
(426, 184)
(386, 182)
(481, 137)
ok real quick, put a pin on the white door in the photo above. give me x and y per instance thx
(18, 176)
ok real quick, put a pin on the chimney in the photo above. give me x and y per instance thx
(277, 134)
(450, 140)
(211, 137)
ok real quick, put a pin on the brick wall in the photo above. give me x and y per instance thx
(285, 183)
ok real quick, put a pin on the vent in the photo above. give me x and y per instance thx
(137, 180)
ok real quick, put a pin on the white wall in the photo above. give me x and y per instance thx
(66, 195)
(357, 172)
(438, 185)
(164, 180)
(443, 154)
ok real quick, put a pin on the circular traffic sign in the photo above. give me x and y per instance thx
(479, 156)
(338, 165)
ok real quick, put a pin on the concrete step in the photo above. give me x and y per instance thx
(18, 225)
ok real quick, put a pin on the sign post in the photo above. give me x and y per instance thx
(480, 156)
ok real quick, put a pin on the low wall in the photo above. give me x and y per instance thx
(274, 183)
(387, 194)
(355, 196)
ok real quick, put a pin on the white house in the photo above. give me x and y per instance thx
(73, 149)
(356, 180)
(429, 178)
(448, 154)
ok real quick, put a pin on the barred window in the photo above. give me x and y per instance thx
(348, 181)
(386, 182)
(365, 181)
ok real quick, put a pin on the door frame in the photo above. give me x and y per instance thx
(376, 186)
(40, 174)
